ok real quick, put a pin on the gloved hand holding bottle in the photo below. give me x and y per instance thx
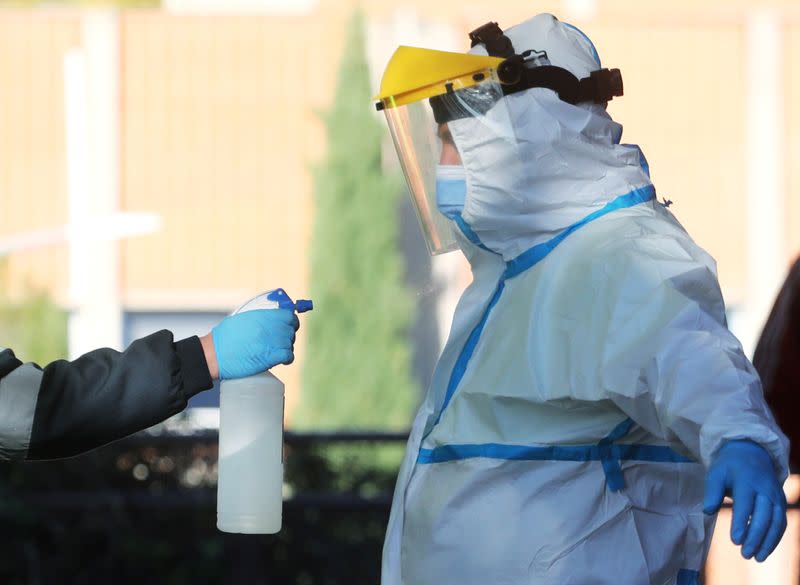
(249, 343)
(745, 471)
(152, 380)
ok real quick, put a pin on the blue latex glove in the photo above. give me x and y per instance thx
(744, 471)
(252, 342)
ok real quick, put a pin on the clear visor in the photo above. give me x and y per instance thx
(424, 141)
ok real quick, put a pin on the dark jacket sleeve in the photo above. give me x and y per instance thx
(777, 359)
(71, 407)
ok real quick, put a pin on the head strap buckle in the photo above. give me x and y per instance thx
(601, 86)
(491, 35)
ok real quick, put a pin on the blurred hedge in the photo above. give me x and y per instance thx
(143, 510)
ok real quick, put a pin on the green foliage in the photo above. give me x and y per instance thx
(35, 328)
(357, 373)
(366, 469)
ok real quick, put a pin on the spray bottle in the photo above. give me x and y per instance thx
(250, 482)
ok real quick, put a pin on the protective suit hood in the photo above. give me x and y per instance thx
(561, 163)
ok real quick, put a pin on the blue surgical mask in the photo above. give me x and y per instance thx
(451, 189)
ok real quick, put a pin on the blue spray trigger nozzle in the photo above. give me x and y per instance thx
(284, 301)
(303, 305)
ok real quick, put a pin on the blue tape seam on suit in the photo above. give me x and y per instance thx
(621, 451)
(520, 264)
(688, 577)
(605, 451)
(533, 256)
(471, 235)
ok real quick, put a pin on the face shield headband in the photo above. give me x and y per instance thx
(519, 72)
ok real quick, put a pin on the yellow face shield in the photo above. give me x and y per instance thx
(422, 92)
(444, 107)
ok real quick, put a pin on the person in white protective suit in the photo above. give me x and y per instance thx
(590, 409)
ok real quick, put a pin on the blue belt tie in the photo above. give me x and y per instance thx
(608, 458)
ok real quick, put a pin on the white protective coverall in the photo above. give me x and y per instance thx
(589, 377)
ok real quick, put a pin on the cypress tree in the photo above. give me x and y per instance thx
(357, 370)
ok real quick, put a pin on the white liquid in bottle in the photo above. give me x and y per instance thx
(250, 484)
